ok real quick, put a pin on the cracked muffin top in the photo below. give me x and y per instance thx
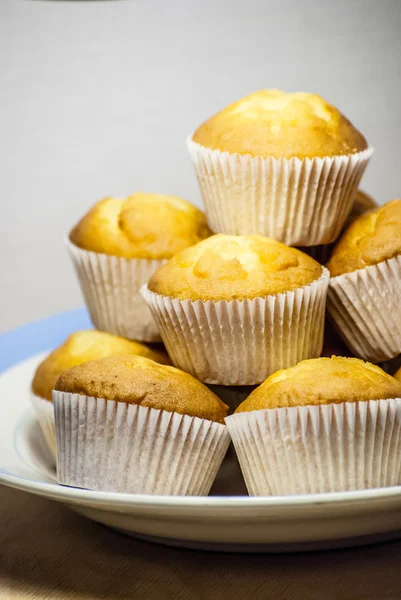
(150, 226)
(282, 125)
(323, 381)
(230, 267)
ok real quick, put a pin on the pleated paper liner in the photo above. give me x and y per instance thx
(45, 415)
(110, 286)
(316, 449)
(238, 343)
(298, 202)
(114, 446)
(366, 308)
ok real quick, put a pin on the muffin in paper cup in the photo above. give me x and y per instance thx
(78, 348)
(111, 289)
(45, 415)
(366, 308)
(117, 246)
(238, 342)
(241, 342)
(125, 446)
(286, 166)
(319, 443)
(364, 297)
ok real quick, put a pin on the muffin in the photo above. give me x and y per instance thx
(286, 166)
(115, 248)
(325, 425)
(363, 203)
(364, 298)
(128, 424)
(80, 347)
(233, 309)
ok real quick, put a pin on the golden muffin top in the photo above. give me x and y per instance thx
(274, 123)
(138, 380)
(229, 267)
(398, 374)
(143, 225)
(81, 347)
(323, 381)
(369, 240)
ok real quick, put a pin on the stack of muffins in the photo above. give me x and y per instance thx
(238, 297)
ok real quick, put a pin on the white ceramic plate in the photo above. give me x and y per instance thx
(219, 522)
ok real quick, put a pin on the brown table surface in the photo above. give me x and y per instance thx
(47, 551)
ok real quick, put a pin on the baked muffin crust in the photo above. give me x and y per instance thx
(83, 346)
(372, 238)
(323, 381)
(274, 123)
(228, 267)
(138, 380)
(150, 226)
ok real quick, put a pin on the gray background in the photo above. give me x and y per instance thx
(97, 98)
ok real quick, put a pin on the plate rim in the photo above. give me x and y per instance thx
(42, 334)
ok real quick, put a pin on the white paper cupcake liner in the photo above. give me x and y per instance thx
(241, 342)
(110, 286)
(114, 446)
(315, 449)
(366, 308)
(298, 202)
(45, 415)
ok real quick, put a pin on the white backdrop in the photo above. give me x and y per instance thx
(97, 98)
